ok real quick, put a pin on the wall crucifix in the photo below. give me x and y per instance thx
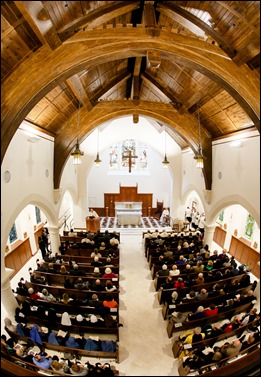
(129, 156)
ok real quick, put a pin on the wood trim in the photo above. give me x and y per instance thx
(128, 194)
(18, 257)
(219, 236)
(243, 253)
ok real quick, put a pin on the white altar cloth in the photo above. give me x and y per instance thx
(129, 218)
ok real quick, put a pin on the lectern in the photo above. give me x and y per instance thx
(92, 224)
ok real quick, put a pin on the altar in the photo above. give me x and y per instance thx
(128, 213)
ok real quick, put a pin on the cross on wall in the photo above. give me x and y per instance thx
(129, 156)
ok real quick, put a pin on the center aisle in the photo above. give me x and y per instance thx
(145, 349)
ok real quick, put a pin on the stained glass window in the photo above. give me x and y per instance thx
(119, 159)
(250, 222)
(221, 216)
(13, 234)
(128, 145)
(114, 157)
(37, 215)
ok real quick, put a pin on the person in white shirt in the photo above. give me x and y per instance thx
(188, 214)
(92, 213)
(201, 223)
(165, 215)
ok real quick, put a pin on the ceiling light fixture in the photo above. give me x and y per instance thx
(77, 153)
(97, 160)
(199, 157)
(165, 161)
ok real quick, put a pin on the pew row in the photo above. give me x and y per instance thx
(58, 291)
(58, 279)
(192, 305)
(249, 358)
(209, 342)
(175, 327)
(165, 294)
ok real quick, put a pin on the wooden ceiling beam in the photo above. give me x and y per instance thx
(38, 19)
(185, 126)
(111, 85)
(170, 10)
(149, 16)
(162, 90)
(100, 16)
(77, 88)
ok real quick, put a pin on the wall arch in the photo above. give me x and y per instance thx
(228, 201)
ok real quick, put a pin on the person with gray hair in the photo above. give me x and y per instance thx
(199, 314)
(191, 337)
(47, 296)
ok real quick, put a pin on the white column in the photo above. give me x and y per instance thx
(208, 235)
(8, 299)
(54, 239)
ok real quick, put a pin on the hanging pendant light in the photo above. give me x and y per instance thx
(97, 160)
(77, 153)
(165, 162)
(199, 157)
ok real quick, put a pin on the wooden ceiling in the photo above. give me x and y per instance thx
(173, 61)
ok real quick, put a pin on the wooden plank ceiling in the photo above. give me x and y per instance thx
(233, 26)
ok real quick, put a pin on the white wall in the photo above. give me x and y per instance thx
(28, 162)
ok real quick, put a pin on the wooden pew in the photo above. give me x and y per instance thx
(165, 294)
(87, 268)
(58, 291)
(158, 280)
(174, 327)
(75, 328)
(75, 351)
(74, 310)
(209, 342)
(87, 259)
(58, 279)
(249, 358)
(80, 251)
(192, 305)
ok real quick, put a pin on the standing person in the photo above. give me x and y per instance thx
(92, 213)
(164, 216)
(45, 239)
(188, 215)
(201, 223)
(42, 246)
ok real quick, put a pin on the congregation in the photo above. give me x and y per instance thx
(165, 255)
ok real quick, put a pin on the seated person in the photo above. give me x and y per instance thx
(109, 274)
(191, 337)
(34, 295)
(198, 314)
(109, 287)
(47, 296)
(230, 349)
(21, 288)
(42, 361)
(109, 301)
(80, 284)
(202, 295)
(211, 311)
(97, 286)
(76, 271)
(35, 279)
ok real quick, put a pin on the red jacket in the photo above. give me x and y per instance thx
(211, 312)
(179, 284)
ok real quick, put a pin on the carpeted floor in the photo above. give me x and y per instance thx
(146, 222)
